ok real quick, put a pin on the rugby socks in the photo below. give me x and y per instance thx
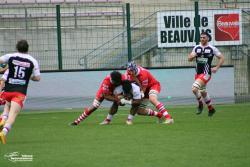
(5, 115)
(208, 101)
(160, 107)
(130, 117)
(109, 118)
(6, 129)
(151, 112)
(83, 116)
(198, 97)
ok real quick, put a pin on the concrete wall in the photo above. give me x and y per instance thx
(78, 89)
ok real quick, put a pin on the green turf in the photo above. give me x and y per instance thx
(195, 141)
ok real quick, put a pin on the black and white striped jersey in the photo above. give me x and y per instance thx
(21, 67)
(204, 57)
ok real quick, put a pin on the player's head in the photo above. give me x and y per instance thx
(127, 89)
(116, 78)
(22, 46)
(132, 67)
(204, 38)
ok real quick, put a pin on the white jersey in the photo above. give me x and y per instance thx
(204, 58)
(136, 92)
(20, 68)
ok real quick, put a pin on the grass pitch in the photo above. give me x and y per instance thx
(195, 141)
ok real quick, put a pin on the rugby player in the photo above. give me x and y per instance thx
(105, 92)
(203, 55)
(21, 68)
(130, 94)
(150, 88)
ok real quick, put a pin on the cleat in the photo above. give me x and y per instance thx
(199, 109)
(2, 138)
(73, 124)
(2, 122)
(169, 121)
(211, 112)
(129, 122)
(105, 122)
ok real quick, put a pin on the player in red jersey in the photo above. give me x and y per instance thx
(21, 68)
(105, 92)
(150, 87)
(203, 55)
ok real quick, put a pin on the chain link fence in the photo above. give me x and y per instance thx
(94, 35)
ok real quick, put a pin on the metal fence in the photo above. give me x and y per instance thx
(83, 36)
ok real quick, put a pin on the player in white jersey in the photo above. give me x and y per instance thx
(203, 55)
(21, 68)
(130, 94)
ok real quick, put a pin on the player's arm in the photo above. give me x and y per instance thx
(192, 55)
(3, 68)
(221, 58)
(3, 79)
(5, 58)
(2, 84)
(136, 102)
(36, 76)
(110, 97)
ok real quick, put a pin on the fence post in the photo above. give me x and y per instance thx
(128, 32)
(59, 40)
(197, 22)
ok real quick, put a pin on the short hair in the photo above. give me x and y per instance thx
(116, 77)
(22, 46)
(205, 33)
(126, 87)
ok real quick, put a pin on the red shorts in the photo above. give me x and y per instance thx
(17, 97)
(204, 77)
(156, 87)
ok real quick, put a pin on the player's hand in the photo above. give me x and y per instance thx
(191, 56)
(214, 69)
(142, 95)
(124, 101)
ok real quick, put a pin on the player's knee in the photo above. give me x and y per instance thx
(96, 103)
(203, 93)
(153, 96)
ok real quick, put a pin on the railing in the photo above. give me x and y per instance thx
(113, 53)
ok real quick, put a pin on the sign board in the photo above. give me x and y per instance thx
(176, 28)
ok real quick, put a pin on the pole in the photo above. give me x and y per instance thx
(59, 40)
(197, 22)
(128, 32)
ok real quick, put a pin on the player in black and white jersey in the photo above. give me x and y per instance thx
(203, 55)
(130, 93)
(21, 68)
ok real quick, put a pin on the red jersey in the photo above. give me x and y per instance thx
(106, 87)
(146, 79)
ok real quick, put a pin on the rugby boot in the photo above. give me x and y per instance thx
(199, 108)
(211, 112)
(2, 137)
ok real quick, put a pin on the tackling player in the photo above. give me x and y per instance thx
(131, 94)
(21, 68)
(105, 92)
(203, 55)
(150, 87)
